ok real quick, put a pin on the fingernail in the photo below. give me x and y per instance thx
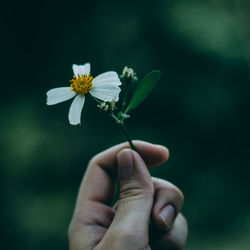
(168, 215)
(125, 164)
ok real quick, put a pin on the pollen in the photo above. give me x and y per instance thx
(82, 84)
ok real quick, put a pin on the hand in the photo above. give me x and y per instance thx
(97, 225)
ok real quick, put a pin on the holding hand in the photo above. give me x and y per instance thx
(96, 225)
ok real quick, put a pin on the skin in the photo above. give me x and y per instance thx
(147, 214)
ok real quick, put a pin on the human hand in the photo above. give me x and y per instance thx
(97, 225)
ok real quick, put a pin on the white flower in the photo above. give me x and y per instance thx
(104, 87)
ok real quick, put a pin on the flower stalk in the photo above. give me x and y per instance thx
(120, 123)
(125, 132)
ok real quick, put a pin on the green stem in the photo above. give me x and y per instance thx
(124, 130)
(120, 123)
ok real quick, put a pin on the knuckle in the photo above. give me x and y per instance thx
(128, 235)
(134, 192)
(179, 194)
(177, 197)
(93, 160)
(161, 184)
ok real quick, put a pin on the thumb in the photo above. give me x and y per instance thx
(136, 196)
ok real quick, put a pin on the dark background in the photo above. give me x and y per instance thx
(199, 110)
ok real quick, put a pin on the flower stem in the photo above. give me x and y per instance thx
(120, 123)
(124, 130)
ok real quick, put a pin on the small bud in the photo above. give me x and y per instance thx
(107, 106)
(128, 74)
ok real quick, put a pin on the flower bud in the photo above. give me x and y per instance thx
(107, 106)
(128, 74)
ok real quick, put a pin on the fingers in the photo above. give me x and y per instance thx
(152, 154)
(98, 182)
(175, 239)
(169, 230)
(168, 202)
(97, 190)
(135, 202)
(136, 190)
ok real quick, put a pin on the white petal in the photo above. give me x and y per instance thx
(76, 110)
(105, 86)
(110, 76)
(81, 69)
(58, 95)
(103, 83)
(106, 94)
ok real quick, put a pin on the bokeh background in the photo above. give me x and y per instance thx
(199, 110)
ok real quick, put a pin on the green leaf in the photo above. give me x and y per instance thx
(144, 88)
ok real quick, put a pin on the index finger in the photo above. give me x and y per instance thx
(98, 182)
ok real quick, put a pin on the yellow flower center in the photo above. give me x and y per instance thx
(82, 84)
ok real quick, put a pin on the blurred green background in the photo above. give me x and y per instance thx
(199, 110)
